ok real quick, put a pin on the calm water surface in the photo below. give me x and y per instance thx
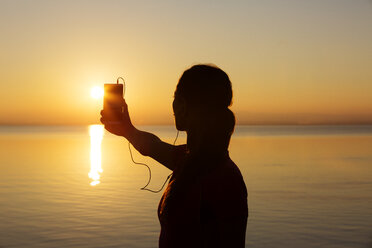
(309, 186)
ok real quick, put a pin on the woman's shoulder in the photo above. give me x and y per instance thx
(180, 150)
(179, 154)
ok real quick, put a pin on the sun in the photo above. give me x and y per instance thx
(96, 92)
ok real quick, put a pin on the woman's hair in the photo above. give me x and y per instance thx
(207, 91)
(205, 86)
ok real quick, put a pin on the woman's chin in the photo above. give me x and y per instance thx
(180, 127)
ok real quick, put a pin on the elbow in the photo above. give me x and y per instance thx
(145, 151)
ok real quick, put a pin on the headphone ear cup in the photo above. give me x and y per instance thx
(181, 117)
(180, 113)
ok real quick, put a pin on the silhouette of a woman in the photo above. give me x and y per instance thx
(205, 202)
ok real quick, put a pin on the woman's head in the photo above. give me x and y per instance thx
(202, 99)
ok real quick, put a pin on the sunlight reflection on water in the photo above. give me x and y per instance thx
(96, 135)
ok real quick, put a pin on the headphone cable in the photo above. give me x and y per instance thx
(148, 167)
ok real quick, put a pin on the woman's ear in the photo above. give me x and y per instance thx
(180, 113)
(182, 106)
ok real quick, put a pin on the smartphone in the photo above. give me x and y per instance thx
(113, 95)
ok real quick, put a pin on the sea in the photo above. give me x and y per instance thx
(76, 186)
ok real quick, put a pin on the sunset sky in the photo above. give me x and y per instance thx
(290, 61)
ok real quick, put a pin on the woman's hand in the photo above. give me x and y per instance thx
(124, 127)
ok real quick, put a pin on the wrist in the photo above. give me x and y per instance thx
(130, 130)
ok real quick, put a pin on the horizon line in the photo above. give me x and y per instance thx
(159, 124)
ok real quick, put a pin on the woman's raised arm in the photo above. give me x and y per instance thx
(146, 143)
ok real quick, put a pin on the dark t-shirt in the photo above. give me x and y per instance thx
(210, 212)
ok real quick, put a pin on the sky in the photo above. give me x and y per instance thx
(290, 61)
